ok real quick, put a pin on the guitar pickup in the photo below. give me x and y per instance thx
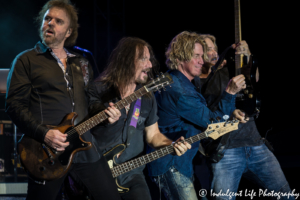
(47, 150)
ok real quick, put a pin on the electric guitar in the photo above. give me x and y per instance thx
(45, 163)
(213, 131)
(249, 98)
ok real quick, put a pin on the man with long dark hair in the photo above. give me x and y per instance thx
(129, 66)
(44, 85)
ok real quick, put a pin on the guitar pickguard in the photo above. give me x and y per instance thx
(110, 155)
(76, 145)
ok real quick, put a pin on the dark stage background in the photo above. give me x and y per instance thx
(267, 28)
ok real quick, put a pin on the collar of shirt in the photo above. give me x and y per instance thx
(42, 48)
(61, 65)
(183, 79)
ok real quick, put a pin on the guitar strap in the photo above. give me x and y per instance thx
(134, 119)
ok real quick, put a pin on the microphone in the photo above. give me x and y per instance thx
(81, 49)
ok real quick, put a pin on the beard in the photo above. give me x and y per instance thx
(145, 77)
(50, 40)
(142, 81)
(213, 60)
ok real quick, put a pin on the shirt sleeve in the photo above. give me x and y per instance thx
(192, 107)
(152, 118)
(18, 101)
(95, 103)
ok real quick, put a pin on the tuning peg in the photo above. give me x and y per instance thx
(212, 120)
(152, 80)
(162, 75)
(164, 88)
(225, 117)
(159, 91)
(218, 118)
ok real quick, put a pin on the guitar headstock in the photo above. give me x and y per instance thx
(160, 82)
(216, 130)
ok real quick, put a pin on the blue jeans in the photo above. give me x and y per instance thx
(256, 163)
(175, 185)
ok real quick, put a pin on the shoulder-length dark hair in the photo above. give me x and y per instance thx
(121, 65)
(71, 13)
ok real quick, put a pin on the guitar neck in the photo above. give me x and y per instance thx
(154, 85)
(101, 116)
(238, 35)
(135, 163)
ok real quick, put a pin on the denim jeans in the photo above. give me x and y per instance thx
(256, 163)
(175, 185)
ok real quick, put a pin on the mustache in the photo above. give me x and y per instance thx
(147, 70)
(215, 58)
(50, 30)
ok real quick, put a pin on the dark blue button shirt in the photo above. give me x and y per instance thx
(182, 111)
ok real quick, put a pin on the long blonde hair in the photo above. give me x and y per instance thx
(182, 48)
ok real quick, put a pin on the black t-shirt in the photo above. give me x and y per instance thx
(247, 134)
(110, 135)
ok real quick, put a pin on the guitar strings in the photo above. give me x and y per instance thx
(142, 91)
(71, 133)
(132, 164)
(129, 165)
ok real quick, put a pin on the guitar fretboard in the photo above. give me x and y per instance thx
(101, 116)
(238, 35)
(135, 163)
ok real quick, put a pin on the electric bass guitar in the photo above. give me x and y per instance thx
(45, 163)
(213, 131)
